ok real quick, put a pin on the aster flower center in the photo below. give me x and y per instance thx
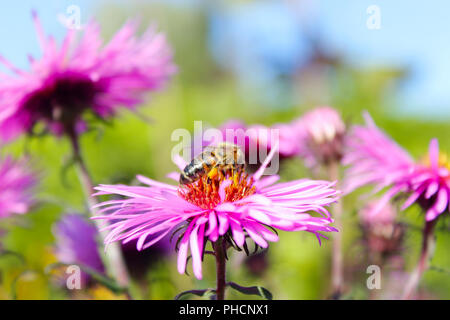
(443, 160)
(204, 193)
(62, 99)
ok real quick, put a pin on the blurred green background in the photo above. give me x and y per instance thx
(205, 89)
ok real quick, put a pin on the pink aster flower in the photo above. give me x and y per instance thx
(320, 135)
(229, 208)
(16, 184)
(377, 160)
(287, 140)
(75, 77)
(252, 137)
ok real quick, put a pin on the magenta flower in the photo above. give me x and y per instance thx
(74, 78)
(377, 160)
(257, 136)
(287, 139)
(76, 243)
(231, 208)
(16, 184)
(320, 135)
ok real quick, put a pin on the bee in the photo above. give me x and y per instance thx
(225, 158)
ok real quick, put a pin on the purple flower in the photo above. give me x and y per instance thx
(76, 243)
(230, 207)
(16, 184)
(320, 135)
(73, 78)
(377, 160)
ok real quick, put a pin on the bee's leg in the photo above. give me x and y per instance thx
(236, 176)
(214, 172)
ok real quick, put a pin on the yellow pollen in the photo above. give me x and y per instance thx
(204, 193)
(443, 160)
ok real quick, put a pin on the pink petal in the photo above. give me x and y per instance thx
(196, 254)
(183, 249)
(258, 174)
(434, 154)
(255, 236)
(432, 189)
(223, 223)
(238, 233)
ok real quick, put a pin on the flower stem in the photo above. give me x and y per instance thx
(113, 258)
(337, 271)
(219, 251)
(428, 244)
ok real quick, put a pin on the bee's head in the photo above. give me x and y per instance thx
(185, 179)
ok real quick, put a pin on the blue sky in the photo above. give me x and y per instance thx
(415, 34)
(17, 33)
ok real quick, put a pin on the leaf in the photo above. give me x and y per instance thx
(201, 293)
(255, 290)
(6, 253)
(440, 269)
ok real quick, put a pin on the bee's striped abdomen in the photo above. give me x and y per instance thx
(196, 169)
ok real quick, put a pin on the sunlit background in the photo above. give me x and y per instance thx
(262, 62)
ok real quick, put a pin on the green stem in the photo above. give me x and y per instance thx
(219, 251)
(428, 244)
(337, 271)
(113, 258)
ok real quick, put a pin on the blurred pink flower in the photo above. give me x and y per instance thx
(233, 208)
(287, 140)
(16, 184)
(320, 133)
(85, 76)
(257, 136)
(381, 232)
(377, 160)
(386, 215)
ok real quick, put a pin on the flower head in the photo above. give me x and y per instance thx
(16, 184)
(76, 243)
(382, 234)
(287, 140)
(74, 78)
(377, 160)
(320, 133)
(257, 136)
(385, 216)
(233, 207)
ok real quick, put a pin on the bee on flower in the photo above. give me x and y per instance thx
(226, 209)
